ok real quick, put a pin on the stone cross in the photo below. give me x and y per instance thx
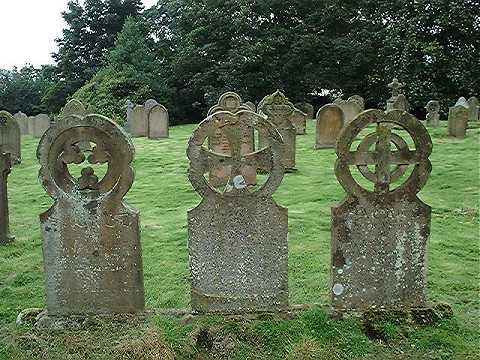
(279, 110)
(380, 234)
(237, 238)
(433, 113)
(396, 86)
(91, 238)
(10, 137)
(5, 167)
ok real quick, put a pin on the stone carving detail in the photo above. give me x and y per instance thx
(91, 238)
(237, 238)
(379, 236)
(433, 113)
(397, 101)
(219, 143)
(74, 107)
(10, 139)
(473, 106)
(330, 120)
(279, 111)
(458, 120)
(5, 168)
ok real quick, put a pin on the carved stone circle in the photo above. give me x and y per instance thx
(382, 157)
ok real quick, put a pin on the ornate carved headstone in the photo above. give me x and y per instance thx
(379, 236)
(237, 238)
(74, 107)
(139, 126)
(219, 143)
(458, 121)
(473, 106)
(38, 125)
(22, 121)
(299, 120)
(5, 167)
(397, 101)
(279, 110)
(10, 139)
(433, 113)
(307, 108)
(359, 100)
(91, 238)
(329, 124)
(158, 122)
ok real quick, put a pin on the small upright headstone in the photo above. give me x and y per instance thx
(158, 122)
(237, 238)
(359, 100)
(379, 235)
(91, 238)
(462, 102)
(10, 139)
(149, 104)
(22, 121)
(129, 106)
(5, 168)
(307, 108)
(350, 108)
(433, 113)
(330, 122)
(473, 107)
(139, 126)
(397, 101)
(279, 110)
(39, 125)
(299, 120)
(458, 120)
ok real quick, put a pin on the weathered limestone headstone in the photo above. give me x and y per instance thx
(139, 126)
(330, 121)
(251, 105)
(22, 121)
(5, 168)
(91, 238)
(307, 108)
(129, 106)
(74, 107)
(237, 238)
(458, 120)
(379, 237)
(350, 108)
(10, 139)
(397, 101)
(149, 104)
(158, 122)
(39, 125)
(359, 100)
(473, 106)
(278, 110)
(433, 113)
(299, 120)
(219, 143)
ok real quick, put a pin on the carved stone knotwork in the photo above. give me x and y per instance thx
(5, 168)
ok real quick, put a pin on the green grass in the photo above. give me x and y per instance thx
(163, 195)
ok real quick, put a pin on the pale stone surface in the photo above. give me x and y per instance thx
(299, 120)
(359, 100)
(350, 110)
(22, 121)
(237, 238)
(91, 238)
(379, 237)
(139, 126)
(397, 101)
(330, 121)
(462, 102)
(278, 110)
(129, 106)
(433, 113)
(10, 139)
(473, 106)
(458, 121)
(39, 125)
(74, 107)
(5, 168)
(149, 104)
(307, 108)
(158, 122)
(219, 143)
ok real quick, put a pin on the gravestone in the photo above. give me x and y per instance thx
(149, 104)
(330, 121)
(462, 102)
(5, 167)
(39, 125)
(350, 110)
(251, 105)
(473, 107)
(30, 125)
(158, 122)
(220, 144)
(299, 120)
(22, 121)
(129, 106)
(307, 108)
(279, 110)
(397, 101)
(358, 100)
(91, 238)
(458, 121)
(433, 113)
(237, 242)
(10, 139)
(74, 107)
(139, 126)
(379, 236)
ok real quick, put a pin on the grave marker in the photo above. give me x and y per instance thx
(22, 121)
(330, 121)
(458, 121)
(473, 106)
(433, 113)
(5, 168)
(158, 122)
(299, 120)
(10, 139)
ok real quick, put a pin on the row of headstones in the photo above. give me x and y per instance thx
(32, 125)
(461, 114)
(237, 238)
(148, 120)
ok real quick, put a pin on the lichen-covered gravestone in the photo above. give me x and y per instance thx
(473, 107)
(350, 108)
(38, 125)
(330, 122)
(139, 126)
(359, 100)
(91, 238)
(237, 238)
(279, 110)
(22, 121)
(433, 113)
(10, 139)
(5, 167)
(379, 235)
(219, 143)
(299, 120)
(458, 120)
(158, 122)
(74, 107)
(307, 108)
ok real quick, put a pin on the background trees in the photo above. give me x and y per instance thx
(185, 53)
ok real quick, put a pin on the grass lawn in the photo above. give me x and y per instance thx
(163, 195)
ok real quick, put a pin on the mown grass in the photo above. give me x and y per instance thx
(163, 195)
